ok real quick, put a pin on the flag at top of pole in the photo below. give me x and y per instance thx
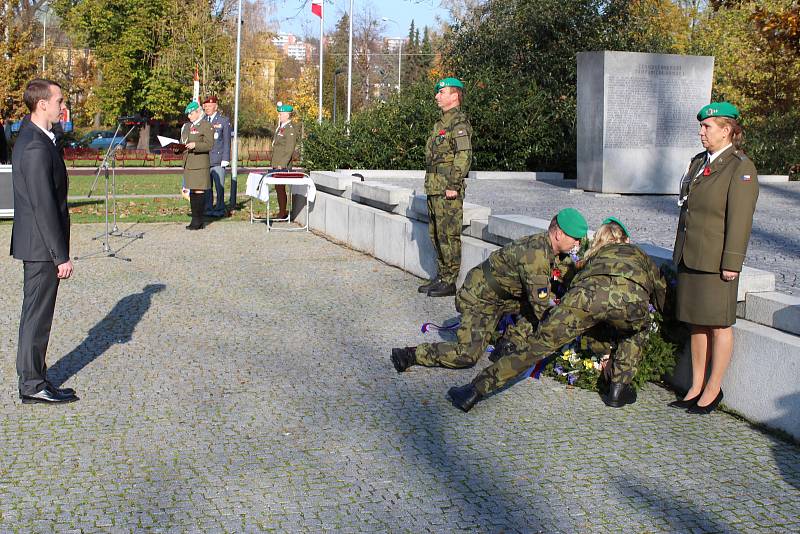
(316, 8)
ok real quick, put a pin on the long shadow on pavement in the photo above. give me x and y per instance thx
(116, 327)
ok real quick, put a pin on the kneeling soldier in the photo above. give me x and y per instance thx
(613, 288)
(514, 279)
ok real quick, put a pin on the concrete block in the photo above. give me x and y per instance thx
(475, 211)
(333, 183)
(479, 229)
(299, 208)
(502, 175)
(384, 174)
(515, 226)
(772, 178)
(776, 310)
(390, 238)
(419, 256)
(380, 195)
(316, 212)
(473, 252)
(750, 280)
(418, 209)
(757, 384)
(337, 212)
(361, 227)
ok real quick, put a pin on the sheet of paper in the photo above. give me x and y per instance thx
(167, 140)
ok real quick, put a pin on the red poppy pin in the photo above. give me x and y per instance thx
(442, 133)
(556, 274)
(707, 171)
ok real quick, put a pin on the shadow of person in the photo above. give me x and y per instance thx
(116, 327)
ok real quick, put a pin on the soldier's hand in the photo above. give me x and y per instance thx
(449, 194)
(65, 270)
(729, 276)
(190, 146)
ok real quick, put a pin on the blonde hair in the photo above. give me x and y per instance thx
(737, 133)
(605, 235)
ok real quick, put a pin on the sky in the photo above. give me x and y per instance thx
(292, 17)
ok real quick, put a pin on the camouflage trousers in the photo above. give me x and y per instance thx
(481, 310)
(446, 219)
(592, 308)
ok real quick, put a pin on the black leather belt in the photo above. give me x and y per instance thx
(492, 283)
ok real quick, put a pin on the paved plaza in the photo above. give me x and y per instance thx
(233, 380)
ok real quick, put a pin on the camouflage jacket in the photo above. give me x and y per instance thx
(448, 153)
(632, 269)
(525, 268)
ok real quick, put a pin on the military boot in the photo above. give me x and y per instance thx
(427, 285)
(442, 289)
(502, 348)
(619, 395)
(404, 358)
(464, 397)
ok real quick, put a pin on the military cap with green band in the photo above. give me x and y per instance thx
(572, 223)
(718, 109)
(617, 221)
(449, 82)
(191, 106)
(284, 108)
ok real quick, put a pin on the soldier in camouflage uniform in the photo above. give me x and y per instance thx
(613, 288)
(448, 156)
(517, 278)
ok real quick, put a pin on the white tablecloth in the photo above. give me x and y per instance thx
(257, 185)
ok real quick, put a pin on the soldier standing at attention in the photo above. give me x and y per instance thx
(448, 156)
(220, 157)
(612, 288)
(517, 278)
(198, 136)
(284, 143)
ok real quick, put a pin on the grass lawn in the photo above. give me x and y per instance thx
(132, 184)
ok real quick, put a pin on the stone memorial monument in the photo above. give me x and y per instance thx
(637, 126)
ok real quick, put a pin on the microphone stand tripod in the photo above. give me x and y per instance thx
(111, 231)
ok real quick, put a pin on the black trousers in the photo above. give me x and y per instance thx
(40, 288)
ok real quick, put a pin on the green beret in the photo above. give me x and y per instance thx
(191, 106)
(617, 221)
(718, 109)
(449, 82)
(572, 223)
(284, 108)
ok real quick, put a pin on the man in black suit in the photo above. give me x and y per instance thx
(40, 237)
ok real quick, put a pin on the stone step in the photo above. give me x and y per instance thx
(773, 309)
(419, 210)
(504, 175)
(334, 183)
(380, 195)
(513, 227)
(381, 174)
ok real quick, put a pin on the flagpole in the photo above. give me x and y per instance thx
(235, 148)
(321, 29)
(350, 65)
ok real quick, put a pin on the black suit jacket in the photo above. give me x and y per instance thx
(41, 218)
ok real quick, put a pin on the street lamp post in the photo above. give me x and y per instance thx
(350, 65)
(336, 73)
(399, 52)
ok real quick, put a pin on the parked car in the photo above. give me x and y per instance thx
(100, 139)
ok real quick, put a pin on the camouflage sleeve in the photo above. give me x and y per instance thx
(462, 161)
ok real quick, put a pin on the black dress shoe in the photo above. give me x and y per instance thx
(427, 285)
(619, 395)
(685, 403)
(708, 408)
(442, 289)
(502, 348)
(404, 358)
(49, 395)
(464, 397)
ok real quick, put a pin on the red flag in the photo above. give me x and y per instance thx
(316, 7)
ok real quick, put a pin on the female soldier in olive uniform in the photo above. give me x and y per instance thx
(718, 197)
(198, 136)
(284, 144)
(448, 157)
(514, 279)
(612, 288)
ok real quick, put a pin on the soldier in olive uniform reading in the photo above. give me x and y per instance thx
(517, 278)
(612, 288)
(448, 156)
(284, 144)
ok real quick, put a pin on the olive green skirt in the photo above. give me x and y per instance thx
(705, 299)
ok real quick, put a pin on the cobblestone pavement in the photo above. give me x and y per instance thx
(774, 243)
(237, 381)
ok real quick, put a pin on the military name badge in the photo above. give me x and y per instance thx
(746, 178)
(542, 292)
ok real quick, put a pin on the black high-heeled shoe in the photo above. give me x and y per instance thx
(708, 408)
(685, 403)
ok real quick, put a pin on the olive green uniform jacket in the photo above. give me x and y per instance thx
(198, 161)
(717, 212)
(448, 153)
(283, 145)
